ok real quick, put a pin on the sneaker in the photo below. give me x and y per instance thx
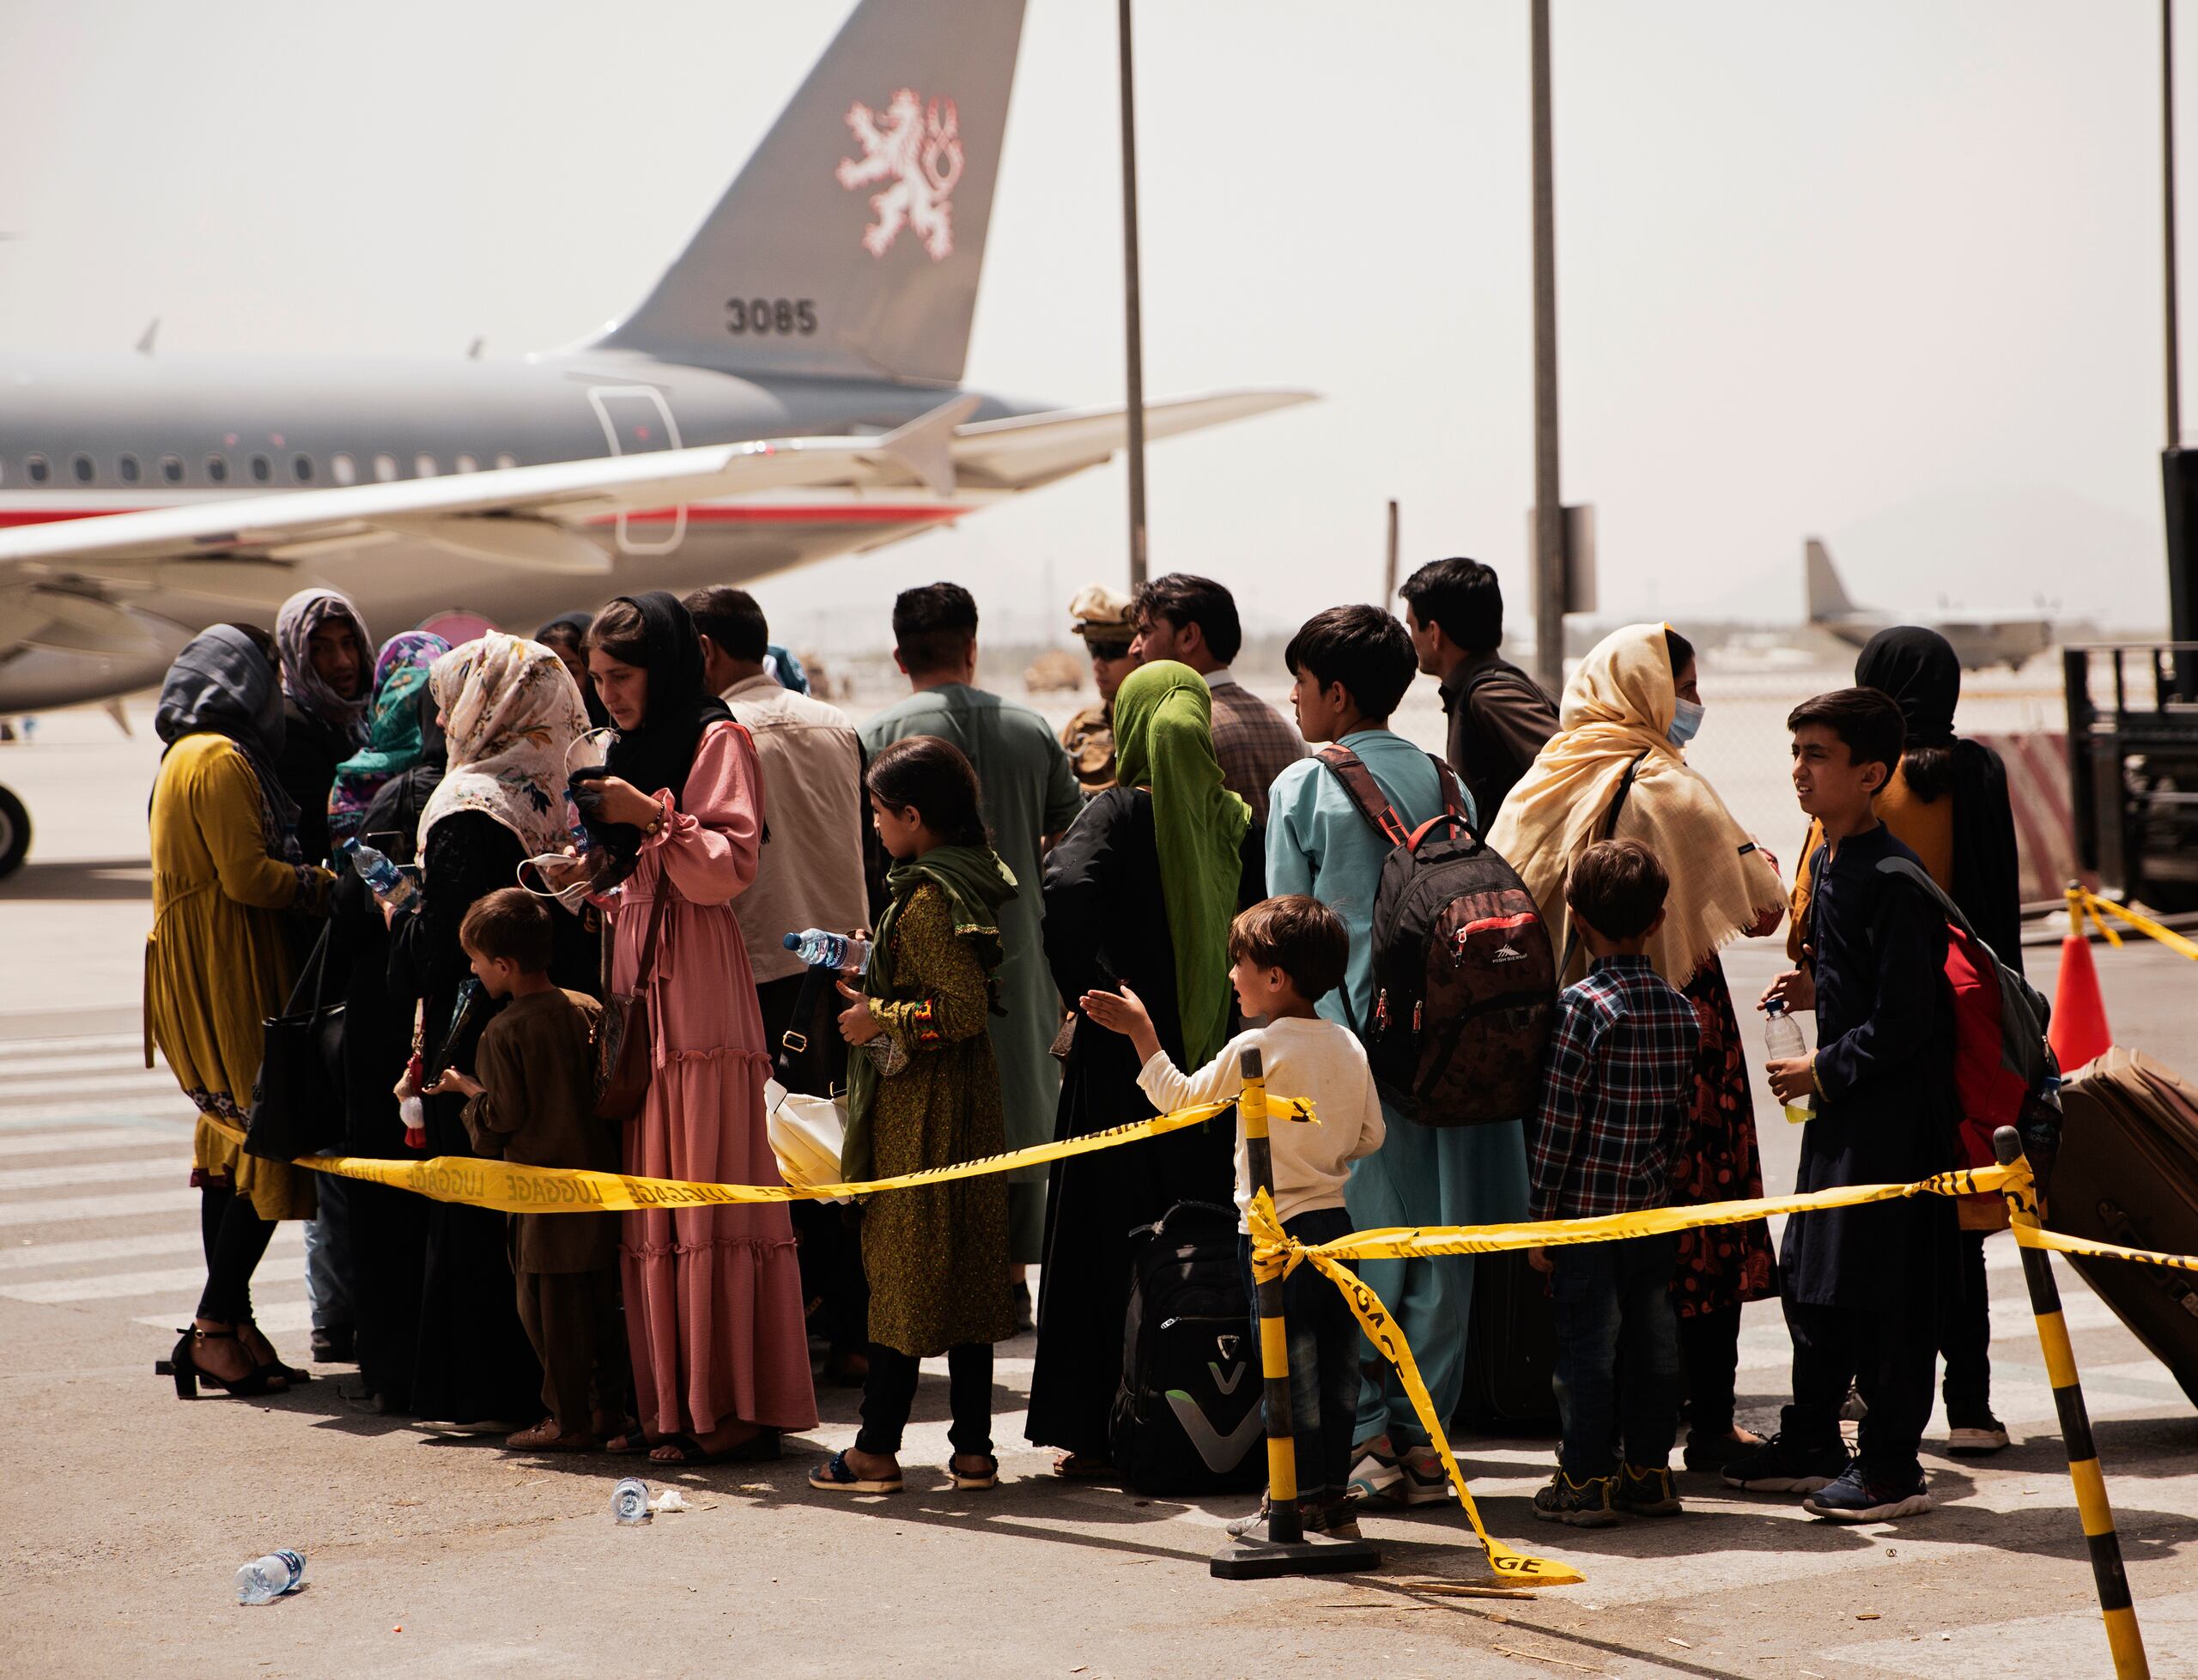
(1715, 1452)
(1317, 1518)
(1422, 1479)
(1025, 1319)
(1860, 1497)
(1582, 1504)
(1974, 1440)
(1777, 1467)
(1645, 1492)
(1376, 1478)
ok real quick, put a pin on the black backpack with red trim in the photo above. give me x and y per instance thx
(1465, 980)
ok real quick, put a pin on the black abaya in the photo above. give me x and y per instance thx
(1106, 926)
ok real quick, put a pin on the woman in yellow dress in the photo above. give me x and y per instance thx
(226, 873)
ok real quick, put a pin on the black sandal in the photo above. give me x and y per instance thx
(292, 1375)
(187, 1372)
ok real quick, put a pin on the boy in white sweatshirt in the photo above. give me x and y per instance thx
(1285, 954)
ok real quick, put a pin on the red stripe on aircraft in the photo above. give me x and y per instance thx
(853, 514)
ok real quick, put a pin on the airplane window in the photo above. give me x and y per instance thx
(217, 468)
(302, 468)
(341, 469)
(384, 468)
(262, 469)
(82, 466)
(37, 467)
(467, 463)
(171, 469)
(423, 466)
(126, 468)
(503, 461)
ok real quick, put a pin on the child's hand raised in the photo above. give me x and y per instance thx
(857, 1024)
(1123, 1012)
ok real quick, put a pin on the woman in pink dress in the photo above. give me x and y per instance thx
(713, 1306)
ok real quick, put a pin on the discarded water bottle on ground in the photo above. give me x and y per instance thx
(1783, 1039)
(629, 1499)
(843, 951)
(384, 879)
(267, 1579)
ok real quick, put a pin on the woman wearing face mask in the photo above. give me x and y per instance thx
(1616, 769)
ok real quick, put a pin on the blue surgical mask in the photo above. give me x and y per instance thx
(1686, 721)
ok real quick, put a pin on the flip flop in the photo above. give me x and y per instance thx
(628, 1444)
(964, 1482)
(759, 1448)
(1082, 1467)
(535, 1440)
(837, 1476)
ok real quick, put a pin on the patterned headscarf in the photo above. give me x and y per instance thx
(301, 615)
(511, 713)
(393, 738)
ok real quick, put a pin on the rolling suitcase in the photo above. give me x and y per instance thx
(2128, 1174)
(1510, 1351)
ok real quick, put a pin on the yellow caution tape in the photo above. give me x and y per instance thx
(509, 1186)
(2034, 1236)
(1273, 1252)
(2091, 905)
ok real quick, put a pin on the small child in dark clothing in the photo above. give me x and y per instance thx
(532, 1102)
(1615, 1099)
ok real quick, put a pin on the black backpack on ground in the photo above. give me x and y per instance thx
(1187, 1417)
(1464, 982)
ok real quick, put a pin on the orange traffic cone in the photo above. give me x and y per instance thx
(2079, 1030)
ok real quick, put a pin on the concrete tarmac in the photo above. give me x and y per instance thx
(128, 1512)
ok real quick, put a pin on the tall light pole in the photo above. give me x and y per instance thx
(1132, 321)
(1549, 507)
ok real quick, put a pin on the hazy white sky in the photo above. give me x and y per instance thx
(1882, 272)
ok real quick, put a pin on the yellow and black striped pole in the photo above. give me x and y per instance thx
(1286, 1551)
(2122, 1637)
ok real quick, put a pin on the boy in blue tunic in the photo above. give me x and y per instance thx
(1351, 666)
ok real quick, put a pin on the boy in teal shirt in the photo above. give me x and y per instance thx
(1351, 666)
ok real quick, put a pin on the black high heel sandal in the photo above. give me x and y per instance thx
(183, 1366)
(291, 1374)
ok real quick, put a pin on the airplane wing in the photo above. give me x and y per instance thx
(61, 582)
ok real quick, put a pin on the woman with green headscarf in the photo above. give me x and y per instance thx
(1140, 892)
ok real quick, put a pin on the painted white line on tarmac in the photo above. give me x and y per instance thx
(88, 1251)
(23, 1092)
(100, 1137)
(51, 1292)
(278, 1318)
(92, 1171)
(70, 1210)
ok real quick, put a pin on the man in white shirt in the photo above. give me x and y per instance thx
(811, 876)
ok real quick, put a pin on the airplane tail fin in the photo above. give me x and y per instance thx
(851, 244)
(1827, 595)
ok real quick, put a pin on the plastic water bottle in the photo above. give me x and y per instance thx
(384, 879)
(1783, 1039)
(268, 1579)
(818, 948)
(629, 1501)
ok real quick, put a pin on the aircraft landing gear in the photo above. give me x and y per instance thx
(15, 833)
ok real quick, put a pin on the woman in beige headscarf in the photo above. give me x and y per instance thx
(1626, 716)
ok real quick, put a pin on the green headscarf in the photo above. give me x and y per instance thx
(1163, 740)
(976, 884)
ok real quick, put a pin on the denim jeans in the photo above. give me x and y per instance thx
(1613, 1311)
(1323, 1341)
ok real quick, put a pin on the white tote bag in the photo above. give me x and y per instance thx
(806, 1134)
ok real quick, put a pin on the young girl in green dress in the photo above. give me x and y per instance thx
(926, 1093)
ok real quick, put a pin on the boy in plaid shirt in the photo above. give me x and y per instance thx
(1614, 1101)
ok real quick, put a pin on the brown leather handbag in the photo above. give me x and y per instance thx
(625, 1042)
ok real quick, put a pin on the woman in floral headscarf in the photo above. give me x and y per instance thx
(510, 713)
(395, 732)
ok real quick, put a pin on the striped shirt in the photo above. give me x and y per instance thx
(1616, 1094)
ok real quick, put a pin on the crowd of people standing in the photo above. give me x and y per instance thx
(637, 805)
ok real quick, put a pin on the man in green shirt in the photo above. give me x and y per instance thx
(1030, 797)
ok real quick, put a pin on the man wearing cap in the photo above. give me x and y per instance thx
(1102, 620)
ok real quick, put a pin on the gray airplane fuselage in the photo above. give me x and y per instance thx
(82, 435)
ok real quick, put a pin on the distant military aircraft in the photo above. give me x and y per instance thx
(1976, 641)
(791, 389)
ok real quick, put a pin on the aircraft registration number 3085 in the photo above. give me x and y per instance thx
(787, 315)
